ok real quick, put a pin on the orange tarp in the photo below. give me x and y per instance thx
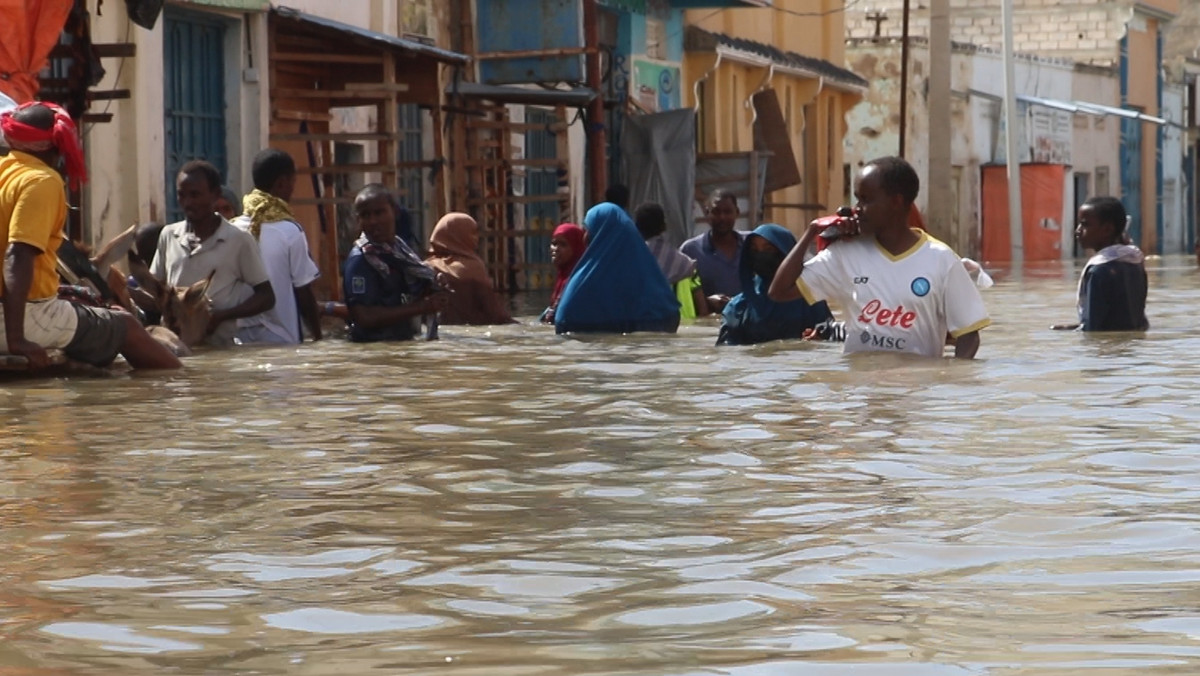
(29, 29)
(1041, 212)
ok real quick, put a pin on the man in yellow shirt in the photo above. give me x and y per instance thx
(33, 212)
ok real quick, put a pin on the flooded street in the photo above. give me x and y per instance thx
(509, 502)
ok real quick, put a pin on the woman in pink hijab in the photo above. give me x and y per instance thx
(453, 253)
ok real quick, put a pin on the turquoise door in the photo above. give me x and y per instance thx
(193, 96)
(541, 218)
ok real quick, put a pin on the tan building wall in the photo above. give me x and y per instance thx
(814, 112)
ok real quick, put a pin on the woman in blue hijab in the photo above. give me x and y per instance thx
(617, 287)
(751, 317)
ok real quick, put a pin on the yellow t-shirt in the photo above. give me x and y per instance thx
(33, 210)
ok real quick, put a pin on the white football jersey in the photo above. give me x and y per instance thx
(905, 303)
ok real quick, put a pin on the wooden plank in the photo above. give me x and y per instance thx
(95, 118)
(301, 116)
(517, 126)
(331, 136)
(325, 57)
(105, 50)
(12, 362)
(540, 162)
(110, 95)
(320, 201)
(377, 86)
(517, 199)
(292, 93)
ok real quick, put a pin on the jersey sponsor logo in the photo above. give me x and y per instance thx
(920, 286)
(358, 284)
(874, 313)
(861, 280)
(882, 342)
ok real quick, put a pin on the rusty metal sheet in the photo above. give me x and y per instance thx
(525, 25)
(771, 134)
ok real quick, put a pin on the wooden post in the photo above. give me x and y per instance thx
(439, 169)
(597, 141)
(389, 124)
(938, 192)
(904, 78)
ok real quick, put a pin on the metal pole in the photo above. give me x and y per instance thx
(939, 194)
(597, 144)
(904, 77)
(1016, 232)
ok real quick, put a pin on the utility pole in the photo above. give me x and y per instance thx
(939, 211)
(1016, 232)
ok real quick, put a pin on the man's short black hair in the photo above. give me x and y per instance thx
(373, 191)
(650, 219)
(897, 176)
(205, 169)
(618, 194)
(1108, 210)
(269, 166)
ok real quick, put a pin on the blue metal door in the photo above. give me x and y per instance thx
(1131, 175)
(193, 95)
(541, 217)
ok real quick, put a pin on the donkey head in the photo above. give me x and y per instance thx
(184, 310)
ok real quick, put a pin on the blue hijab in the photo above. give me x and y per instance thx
(617, 287)
(752, 317)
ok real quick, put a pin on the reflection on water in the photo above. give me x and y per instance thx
(505, 501)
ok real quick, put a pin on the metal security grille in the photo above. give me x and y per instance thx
(412, 175)
(193, 96)
(541, 143)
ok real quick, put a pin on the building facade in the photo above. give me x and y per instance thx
(1125, 36)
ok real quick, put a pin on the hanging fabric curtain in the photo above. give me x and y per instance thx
(29, 29)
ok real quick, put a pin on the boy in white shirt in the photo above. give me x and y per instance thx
(901, 290)
(285, 254)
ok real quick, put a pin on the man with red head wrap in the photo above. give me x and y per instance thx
(33, 211)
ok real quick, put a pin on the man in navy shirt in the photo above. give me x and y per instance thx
(718, 251)
(387, 288)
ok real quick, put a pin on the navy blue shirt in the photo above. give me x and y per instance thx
(718, 274)
(362, 284)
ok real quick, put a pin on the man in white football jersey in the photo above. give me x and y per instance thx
(901, 290)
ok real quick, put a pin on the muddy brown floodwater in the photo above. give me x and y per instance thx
(509, 502)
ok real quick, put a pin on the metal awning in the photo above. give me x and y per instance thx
(579, 96)
(1079, 107)
(754, 53)
(371, 37)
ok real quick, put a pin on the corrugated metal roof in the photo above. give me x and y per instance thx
(379, 39)
(700, 40)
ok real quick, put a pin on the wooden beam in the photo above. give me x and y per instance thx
(323, 57)
(106, 50)
(517, 199)
(362, 168)
(109, 95)
(293, 93)
(377, 86)
(93, 118)
(301, 116)
(332, 136)
(541, 162)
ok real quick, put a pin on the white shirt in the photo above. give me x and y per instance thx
(905, 303)
(229, 255)
(289, 266)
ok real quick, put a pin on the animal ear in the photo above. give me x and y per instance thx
(141, 273)
(114, 250)
(198, 290)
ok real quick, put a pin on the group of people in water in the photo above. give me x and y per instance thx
(897, 288)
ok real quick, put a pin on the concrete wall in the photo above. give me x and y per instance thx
(814, 113)
(126, 157)
(1081, 30)
(1175, 235)
(977, 89)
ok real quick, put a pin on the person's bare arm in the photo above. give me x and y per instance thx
(306, 302)
(783, 286)
(262, 300)
(702, 307)
(966, 345)
(18, 277)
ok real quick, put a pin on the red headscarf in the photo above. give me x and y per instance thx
(62, 137)
(574, 236)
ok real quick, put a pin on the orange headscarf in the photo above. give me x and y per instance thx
(452, 249)
(452, 252)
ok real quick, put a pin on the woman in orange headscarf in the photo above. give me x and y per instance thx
(452, 252)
